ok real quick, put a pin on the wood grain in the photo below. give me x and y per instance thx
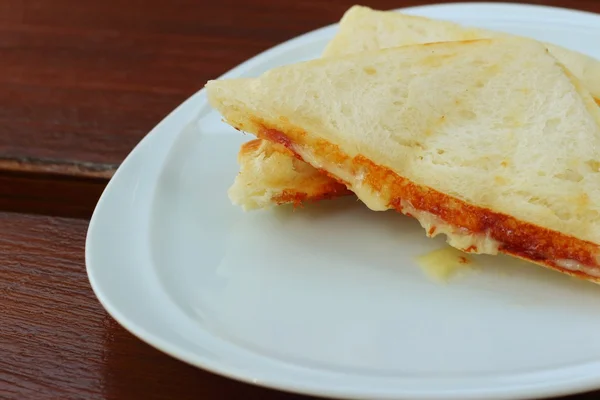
(49, 194)
(56, 340)
(81, 82)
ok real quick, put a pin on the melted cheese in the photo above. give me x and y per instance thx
(575, 266)
(364, 192)
(456, 237)
(442, 264)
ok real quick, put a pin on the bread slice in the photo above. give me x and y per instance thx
(270, 175)
(490, 142)
(364, 29)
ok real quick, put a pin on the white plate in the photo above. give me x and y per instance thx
(328, 300)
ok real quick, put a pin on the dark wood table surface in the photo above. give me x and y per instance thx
(81, 82)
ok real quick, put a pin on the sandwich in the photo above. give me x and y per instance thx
(364, 29)
(493, 143)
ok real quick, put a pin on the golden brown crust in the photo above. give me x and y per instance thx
(518, 238)
(326, 192)
(251, 146)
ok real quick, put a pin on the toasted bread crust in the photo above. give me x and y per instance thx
(327, 192)
(517, 238)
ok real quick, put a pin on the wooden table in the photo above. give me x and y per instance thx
(81, 82)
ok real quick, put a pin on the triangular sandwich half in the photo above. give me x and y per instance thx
(490, 142)
(364, 29)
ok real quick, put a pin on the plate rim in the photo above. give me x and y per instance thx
(242, 375)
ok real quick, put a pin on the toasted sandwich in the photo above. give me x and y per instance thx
(364, 29)
(493, 143)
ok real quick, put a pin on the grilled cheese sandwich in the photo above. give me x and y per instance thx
(493, 143)
(364, 29)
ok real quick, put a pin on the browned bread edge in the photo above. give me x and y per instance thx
(517, 238)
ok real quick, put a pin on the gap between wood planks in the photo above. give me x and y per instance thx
(52, 187)
(75, 169)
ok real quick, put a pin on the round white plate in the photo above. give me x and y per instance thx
(328, 300)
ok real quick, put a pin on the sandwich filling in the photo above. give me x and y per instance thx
(468, 228)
